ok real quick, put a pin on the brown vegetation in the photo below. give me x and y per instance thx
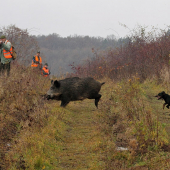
(144, 54)
(129, 131)
(21, 106)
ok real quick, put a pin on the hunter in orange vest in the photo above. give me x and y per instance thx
(37, 61)
(45, 70)
(5, 54)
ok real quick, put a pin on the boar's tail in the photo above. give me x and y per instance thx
(102, 83)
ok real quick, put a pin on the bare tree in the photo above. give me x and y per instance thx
(25, 45)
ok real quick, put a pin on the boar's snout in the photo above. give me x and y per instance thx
(48, 97)
(53, 95)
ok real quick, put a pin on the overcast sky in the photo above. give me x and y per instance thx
(84, 17)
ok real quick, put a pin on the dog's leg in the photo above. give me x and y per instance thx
(167, 106)
(164, 105)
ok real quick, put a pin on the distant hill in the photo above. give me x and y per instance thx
(60, 52)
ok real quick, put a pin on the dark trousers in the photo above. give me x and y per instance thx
(5, 67)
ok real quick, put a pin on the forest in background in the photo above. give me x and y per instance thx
(61, 52)
(87, 55)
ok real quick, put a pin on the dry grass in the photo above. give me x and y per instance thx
(36, 134)
(134, 119)
(21, 106)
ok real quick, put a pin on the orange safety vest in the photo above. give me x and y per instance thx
(46, 70)
(37, 60)
(7, 54)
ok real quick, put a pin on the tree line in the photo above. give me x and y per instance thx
(61, 52)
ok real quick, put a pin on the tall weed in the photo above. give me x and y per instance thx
(21, 106)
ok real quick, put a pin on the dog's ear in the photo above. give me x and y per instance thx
(163, 92)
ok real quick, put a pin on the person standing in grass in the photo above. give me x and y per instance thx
(5, 55)
(45, 70)
(37, 61)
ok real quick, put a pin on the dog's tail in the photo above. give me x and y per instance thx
(102, 83)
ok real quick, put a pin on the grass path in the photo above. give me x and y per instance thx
(82, 145)
(85, 145)
(79, 137)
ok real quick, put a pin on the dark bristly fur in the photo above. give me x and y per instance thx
(165, 97)
(75, 88)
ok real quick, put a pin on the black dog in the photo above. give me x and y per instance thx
(165, 97)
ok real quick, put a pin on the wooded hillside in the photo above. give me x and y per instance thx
(60, 52)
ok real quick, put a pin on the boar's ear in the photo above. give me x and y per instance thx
(56, 83)
(51, 81)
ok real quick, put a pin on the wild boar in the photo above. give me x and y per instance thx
(75, 88)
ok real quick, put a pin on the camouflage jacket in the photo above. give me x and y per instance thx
(7, 47)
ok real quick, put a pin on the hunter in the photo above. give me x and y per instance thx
(37, 61)
(5, 55)
(45, 70)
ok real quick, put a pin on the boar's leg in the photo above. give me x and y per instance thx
(97, 99)
(64, 102)
(95, 96)
(167, 106)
